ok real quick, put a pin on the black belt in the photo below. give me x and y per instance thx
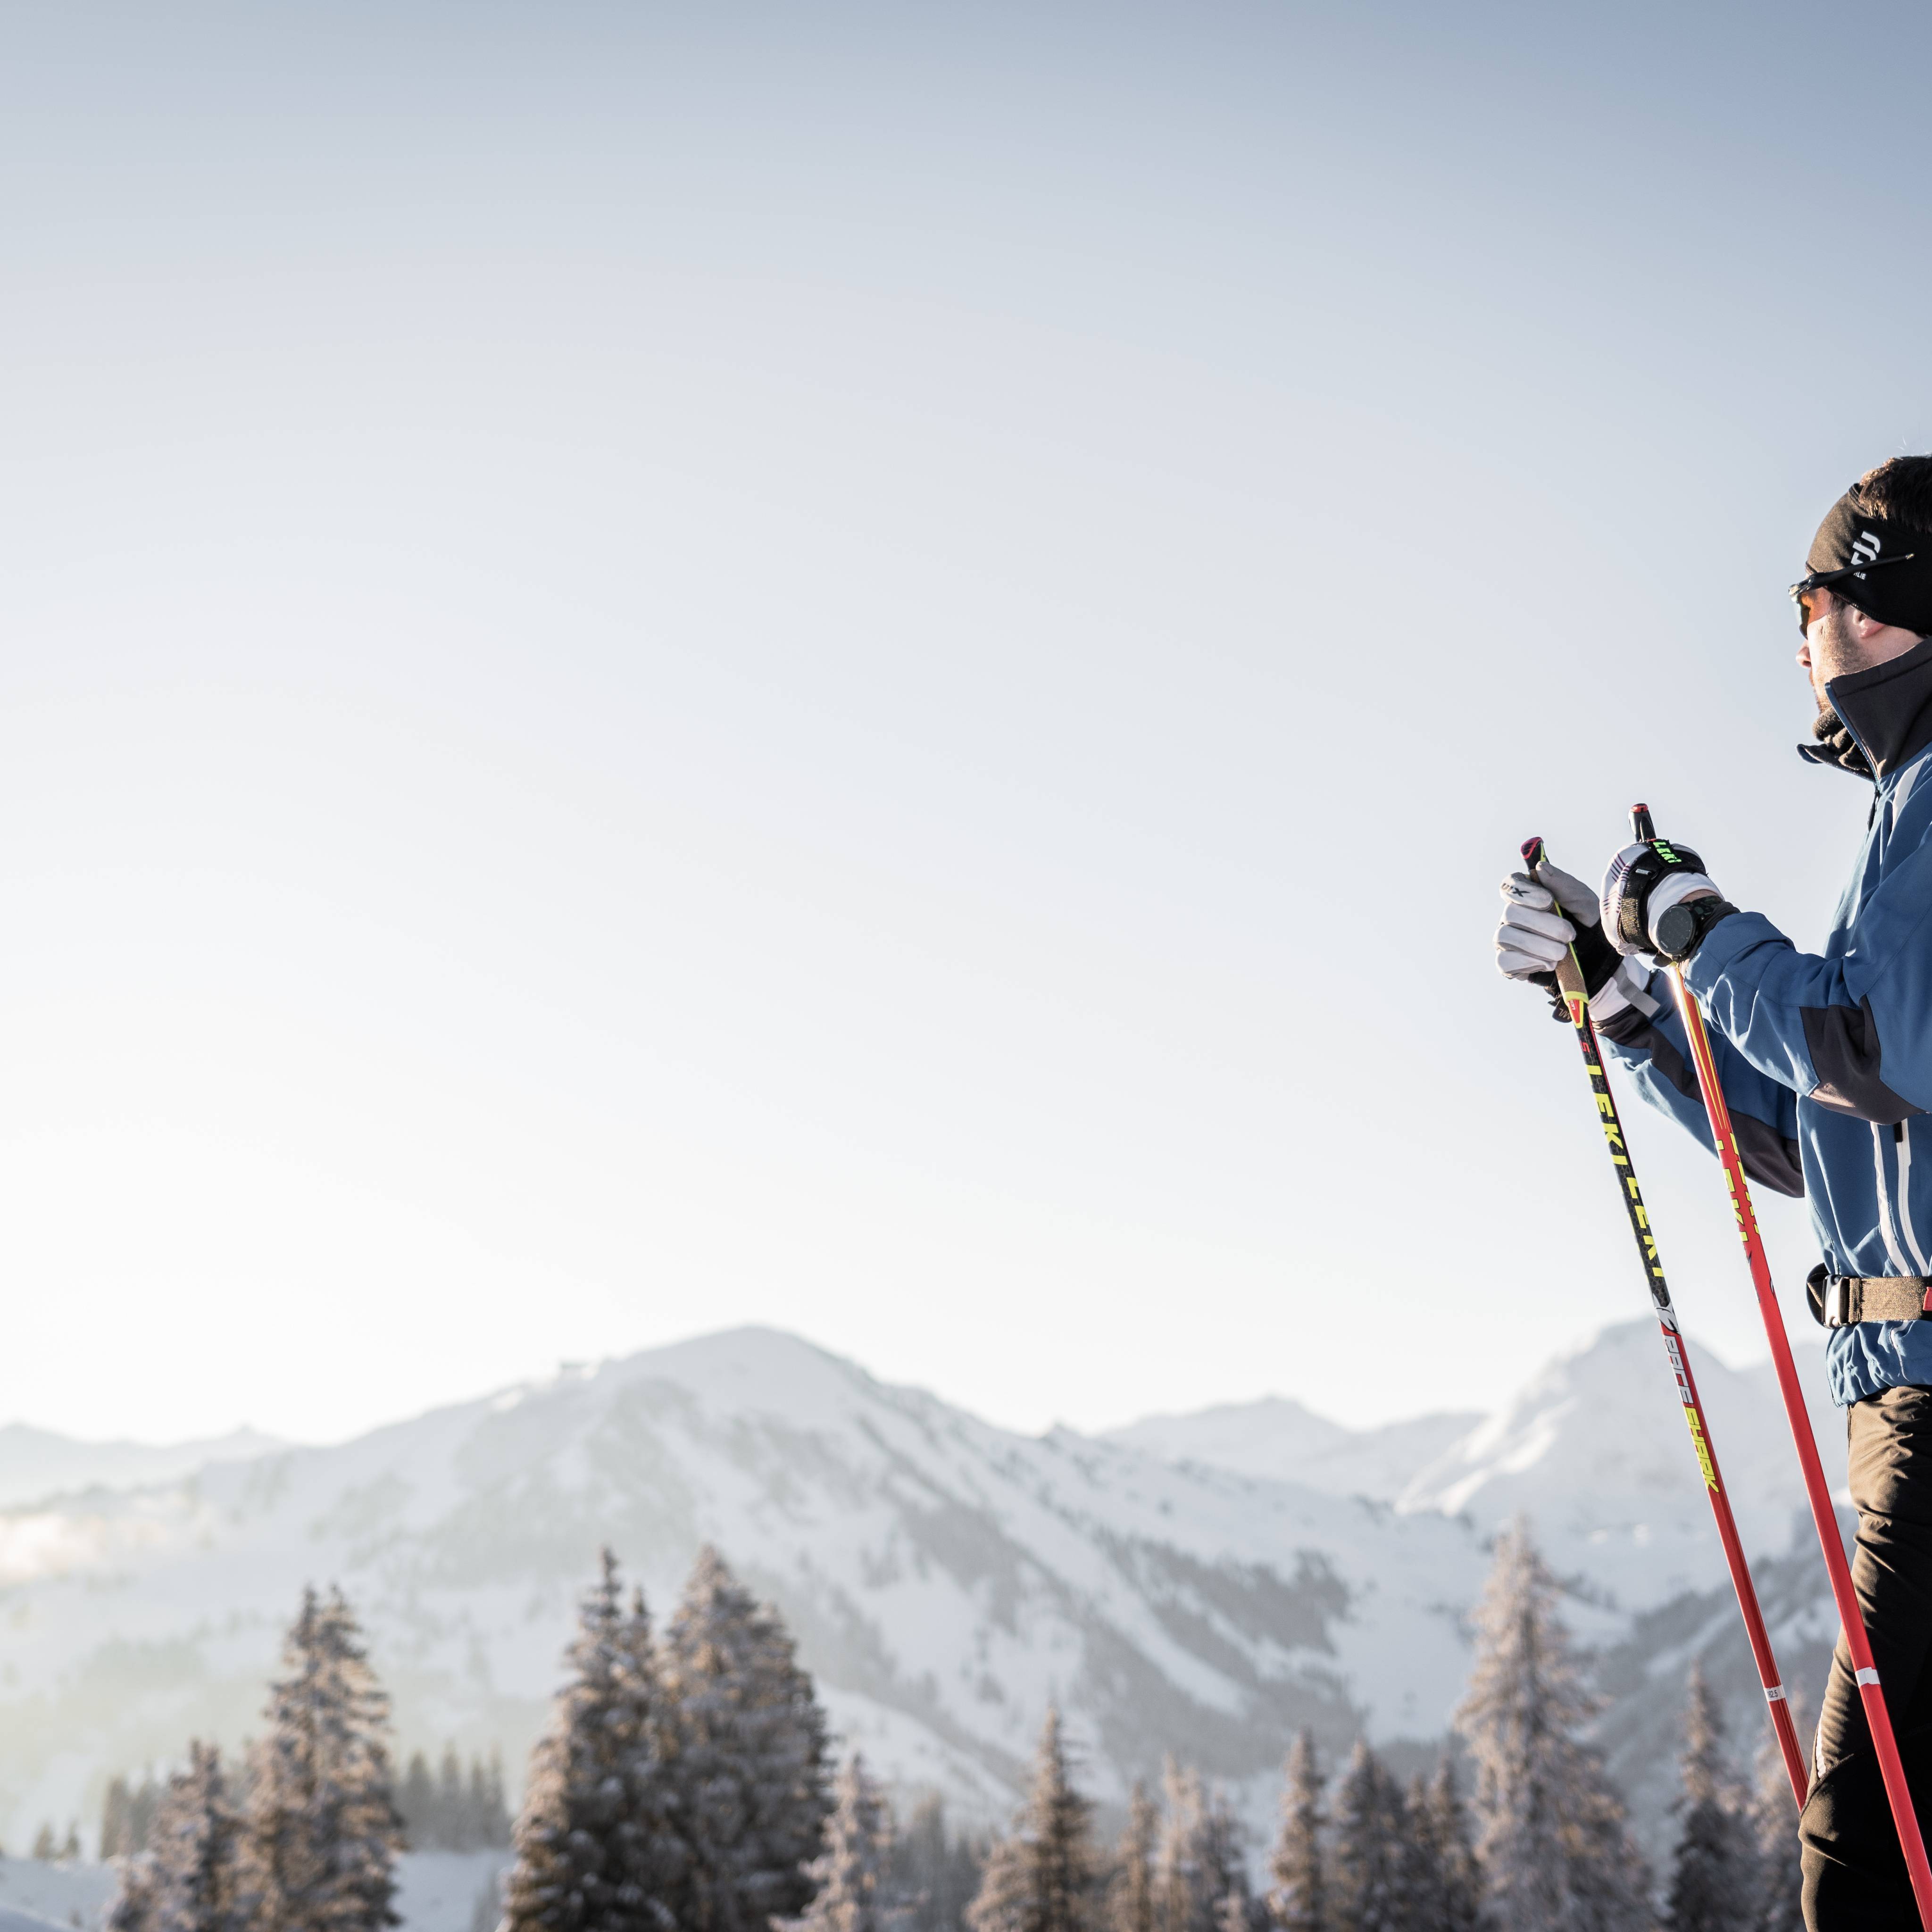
(1837, 1300)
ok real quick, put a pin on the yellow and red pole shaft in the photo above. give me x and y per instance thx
(1824, 1518)
(1572, 1000)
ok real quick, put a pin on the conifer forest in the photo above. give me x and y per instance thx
(689, 1782)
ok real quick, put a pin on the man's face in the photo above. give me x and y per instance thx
(1841, 639)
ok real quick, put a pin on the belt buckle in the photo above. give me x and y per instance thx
(1838, 1298)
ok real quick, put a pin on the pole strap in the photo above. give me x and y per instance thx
(1838, 1300)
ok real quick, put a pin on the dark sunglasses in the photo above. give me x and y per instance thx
(1801, 591)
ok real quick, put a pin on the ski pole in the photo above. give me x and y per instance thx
(1571, 1003)
(1857, 1645)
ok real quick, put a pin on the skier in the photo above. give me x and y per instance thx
(1826, 1062)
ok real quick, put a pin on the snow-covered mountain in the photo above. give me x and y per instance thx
(1595, 1450)
(1282, 1440)
(36, 1462)
(945, 1578)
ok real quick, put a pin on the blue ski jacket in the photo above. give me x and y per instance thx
(1826, 1058)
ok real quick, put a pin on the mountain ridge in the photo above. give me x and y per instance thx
(945, 1578)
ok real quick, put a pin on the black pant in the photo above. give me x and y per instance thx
(1854, 1877)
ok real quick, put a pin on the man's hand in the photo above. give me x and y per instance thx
(1545, 914)
(1657, 898)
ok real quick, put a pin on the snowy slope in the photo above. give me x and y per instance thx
(36, 1463)
(1596, 1451)
(1284, 1441)
(436, 1891)
(945, 1579)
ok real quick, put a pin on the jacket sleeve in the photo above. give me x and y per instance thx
(1852, 1030)
(1652, 1049)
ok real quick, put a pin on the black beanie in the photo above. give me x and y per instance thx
(1900, 592)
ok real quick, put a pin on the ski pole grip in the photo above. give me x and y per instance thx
(1642, 828)
(1533, 855)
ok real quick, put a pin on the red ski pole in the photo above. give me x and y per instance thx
(1571, 1003)
(1877, 1717)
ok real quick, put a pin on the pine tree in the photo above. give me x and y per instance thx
(1421, 1862)
(451, 1822)
(496, 1810)
(321, 1833)
(1298, 1899)
(1774, 1826)
(46, 1848)
(114, 1820)
(1712, 1880)
(127, 1816)
(852, 1875)
(1445, 1886)
(597, 1847)
(416, 1801)
(751, 1745)
(935, 1872)
(1550, 1836)
(1130, 1897)
(1198, 1864)
(187, 1880)
(1367, 1892)
(1042, 1878)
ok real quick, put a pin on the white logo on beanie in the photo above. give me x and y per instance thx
(1860, 553)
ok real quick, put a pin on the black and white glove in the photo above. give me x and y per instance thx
(1658, 898)
(1545, 912)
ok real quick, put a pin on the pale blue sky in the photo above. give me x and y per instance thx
(868, 668)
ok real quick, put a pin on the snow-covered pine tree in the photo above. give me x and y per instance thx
(1182, 1901)
(853, 1875)
(1044, 1877)
(187, 1880)
(488, 1815)
(1550, 1836)
(319, 1842)
(451, 1810)
(1421, 1862)
(1130, 1895)
(115, 1809)
(1298, 1899)
(415, 1802)
(935, 1871)
(1711, 1878)
(1444, 1887)
(1224, 1859)
(1367, 1889)
(597, 1847)
(1199, 1865)
(750, 1746)
(1774, 1825)
(1183, 1893)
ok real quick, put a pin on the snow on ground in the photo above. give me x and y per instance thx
(450, 1892)
(436, 1891)
(67, 1895)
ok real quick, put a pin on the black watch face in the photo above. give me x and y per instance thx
(1676, 930)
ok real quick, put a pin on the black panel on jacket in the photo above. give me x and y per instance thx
(1769, 1158)
(1843, 1044)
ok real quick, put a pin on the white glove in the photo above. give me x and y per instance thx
(1546, 912)
(1534, 935)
